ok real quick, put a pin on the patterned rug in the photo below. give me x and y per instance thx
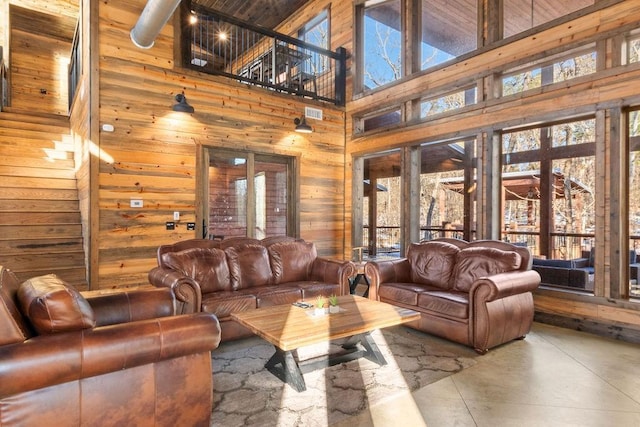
(246, 394)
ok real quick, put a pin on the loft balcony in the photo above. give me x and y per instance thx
(218, 44)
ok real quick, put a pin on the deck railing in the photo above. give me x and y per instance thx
(564, 245)
(219, 44)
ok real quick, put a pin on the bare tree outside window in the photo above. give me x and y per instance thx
(382, 44)
(571, 190)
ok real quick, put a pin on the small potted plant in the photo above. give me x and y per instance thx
(319, 310)
(333, 304)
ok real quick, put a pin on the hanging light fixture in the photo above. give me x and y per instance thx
(182, 105)
(301, 125)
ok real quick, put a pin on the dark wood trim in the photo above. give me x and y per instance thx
(93, 256)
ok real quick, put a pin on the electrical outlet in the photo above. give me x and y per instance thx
(136, 203)
(176, 216)
(171, 225)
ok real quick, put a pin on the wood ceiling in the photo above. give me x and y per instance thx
(265, 13)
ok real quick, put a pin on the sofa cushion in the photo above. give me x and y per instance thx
(475, 262)
(403, 293)
(223, 303)
(561, 263)
(249, 266)
(291, 261)
(447, 303)
(432, 263)
(276, 295)
(53, 306)
(207, 266)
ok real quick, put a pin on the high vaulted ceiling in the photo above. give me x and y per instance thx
(265, 13)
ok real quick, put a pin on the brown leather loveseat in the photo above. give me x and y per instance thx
(474, 293)
(119, 359)
(238, 274)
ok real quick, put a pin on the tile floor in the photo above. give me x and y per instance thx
(555, 377)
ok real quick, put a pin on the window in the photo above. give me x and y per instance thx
(238, 206)
(378, 120)
(316, 32)
(382, 43)
(634, 201)
(382, 205)
(553, 70)
(521, 15)
(449, 102)
(548, 186)
(448, 190)
(447, 32)
(632, 48)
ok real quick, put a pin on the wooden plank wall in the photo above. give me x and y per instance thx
(40, 225)
(39, 59)
(40, 230)
(151, 154)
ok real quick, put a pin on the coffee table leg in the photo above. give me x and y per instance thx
(372, 352)
(289, 371)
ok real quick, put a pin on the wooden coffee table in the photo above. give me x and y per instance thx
(288, 328)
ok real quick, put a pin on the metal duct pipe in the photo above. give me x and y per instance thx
(154, 16)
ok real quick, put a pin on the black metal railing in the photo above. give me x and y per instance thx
(75, 66)
(4, 82)
(218, 44)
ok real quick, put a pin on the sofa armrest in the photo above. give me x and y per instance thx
(501, 308)
(131, 306)
(390, 271)
(186, 290)
(48, 360)
(333, 271)
(504, 285)
(581, 263)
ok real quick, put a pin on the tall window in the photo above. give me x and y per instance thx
(316, 32)
(382, 43)
(521, 15)
(448, 190)
(382, 205)
(634, 202)
(239, 206)
(548, 186)
(447, 32)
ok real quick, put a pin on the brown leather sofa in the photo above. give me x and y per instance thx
(474, 293)
(120, 359)
(238, 274)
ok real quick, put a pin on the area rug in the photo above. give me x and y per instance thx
(246, 394)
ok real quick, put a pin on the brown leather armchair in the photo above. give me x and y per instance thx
(106, 360)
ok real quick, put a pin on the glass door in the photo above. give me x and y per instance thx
(248, 195)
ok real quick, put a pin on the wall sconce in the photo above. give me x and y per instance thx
(182, 105)
(301, 125)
